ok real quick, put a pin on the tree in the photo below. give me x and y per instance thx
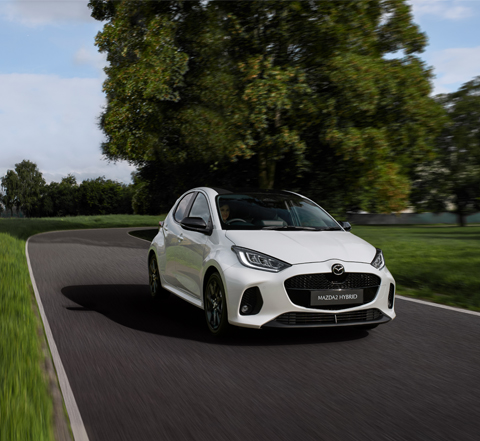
(10, 186)
(60, 199)
(30, 184)
(23, 187)
(304, 81)
(453, 177)
(104, 196)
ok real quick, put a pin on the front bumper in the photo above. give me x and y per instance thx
(279, 311)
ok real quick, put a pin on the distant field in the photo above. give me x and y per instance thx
(434, 262)
(25, 402)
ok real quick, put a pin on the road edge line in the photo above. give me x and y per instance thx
(439, 305)
(76, 422)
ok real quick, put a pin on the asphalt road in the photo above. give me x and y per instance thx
(143, 370)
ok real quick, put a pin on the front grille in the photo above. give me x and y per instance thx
(299, 287)
(321, 318)
(330, 281)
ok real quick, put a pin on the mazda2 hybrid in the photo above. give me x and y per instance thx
(263, 259)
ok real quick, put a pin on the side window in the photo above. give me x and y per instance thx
(200, 208)
(182, 207)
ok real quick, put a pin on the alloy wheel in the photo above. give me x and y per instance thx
(153, 276)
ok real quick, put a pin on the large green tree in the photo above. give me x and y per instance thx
(305, 81)
(453, 177)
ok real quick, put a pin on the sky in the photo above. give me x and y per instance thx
(51, 77)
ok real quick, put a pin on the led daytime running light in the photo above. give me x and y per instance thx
(254, 259)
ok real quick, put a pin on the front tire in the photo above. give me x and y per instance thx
(215, 305)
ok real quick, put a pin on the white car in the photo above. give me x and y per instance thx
(262, 259)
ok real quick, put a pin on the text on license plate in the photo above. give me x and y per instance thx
(336, 297)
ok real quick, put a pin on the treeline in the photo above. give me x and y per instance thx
(24, 189)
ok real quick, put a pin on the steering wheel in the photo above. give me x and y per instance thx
(229, 221)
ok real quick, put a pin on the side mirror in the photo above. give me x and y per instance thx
(346, 226)
(195, 224)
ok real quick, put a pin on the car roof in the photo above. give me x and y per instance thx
(225, 191)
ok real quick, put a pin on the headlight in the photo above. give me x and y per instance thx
(378, 261)
(254, 259)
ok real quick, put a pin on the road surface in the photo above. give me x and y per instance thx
(144, 370)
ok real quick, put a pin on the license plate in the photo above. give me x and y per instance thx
(336, 297)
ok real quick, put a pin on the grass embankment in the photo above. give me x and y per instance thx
(25, 403)
(436, 263)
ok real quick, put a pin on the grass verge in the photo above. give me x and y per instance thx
(433, 262)
(26, 411)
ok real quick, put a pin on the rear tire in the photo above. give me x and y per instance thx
(215, 306)
(154, 280)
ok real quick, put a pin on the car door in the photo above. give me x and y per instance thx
(173, 233)
(192, 249)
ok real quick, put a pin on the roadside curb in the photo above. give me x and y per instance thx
(439, 305)
(76, 422)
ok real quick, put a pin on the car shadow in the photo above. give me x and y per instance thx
(133, 306)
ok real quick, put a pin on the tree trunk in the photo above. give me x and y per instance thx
(266, 168)
(462, 219)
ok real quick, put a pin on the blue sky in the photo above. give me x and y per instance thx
(51, 79)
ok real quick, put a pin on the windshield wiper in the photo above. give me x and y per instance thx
(331, 229)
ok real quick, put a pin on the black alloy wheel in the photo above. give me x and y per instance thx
(156, 289)
(215, 304)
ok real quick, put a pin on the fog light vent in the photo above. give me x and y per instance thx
(252, 301)
(391, 296)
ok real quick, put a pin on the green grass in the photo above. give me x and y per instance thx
(437, 263)
(26, 411)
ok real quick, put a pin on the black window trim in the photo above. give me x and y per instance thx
(189, 206)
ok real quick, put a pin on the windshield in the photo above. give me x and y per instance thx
(255, 211)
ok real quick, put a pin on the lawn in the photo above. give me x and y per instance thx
(438, 263)
(25, 403)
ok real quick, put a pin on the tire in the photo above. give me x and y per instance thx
(154, 281)
(215, 306)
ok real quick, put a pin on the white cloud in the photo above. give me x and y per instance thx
(52, 121)
(447, 9)
(90, 58)
(454, 67)
(40, 12)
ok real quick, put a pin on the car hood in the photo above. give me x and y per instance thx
(296, 247)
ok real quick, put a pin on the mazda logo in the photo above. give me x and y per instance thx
(338, 269)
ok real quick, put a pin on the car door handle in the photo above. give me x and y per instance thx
(180, 237)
